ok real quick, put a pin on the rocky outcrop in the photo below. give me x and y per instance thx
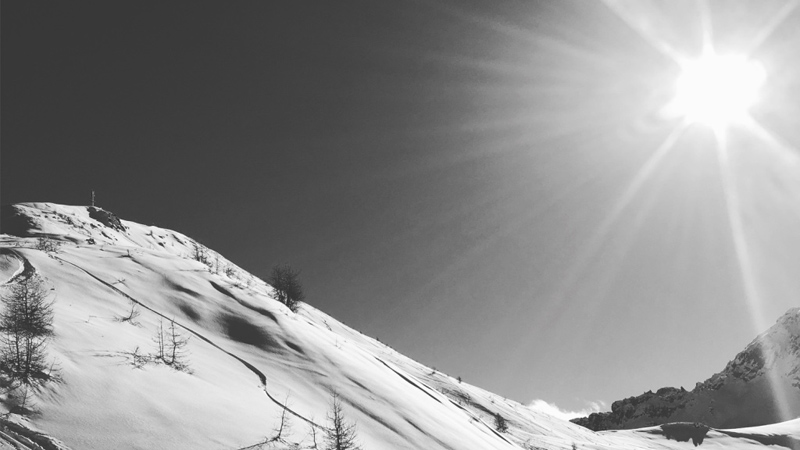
(760, 385)
(683, 431)
(107, 218)
(660, 405)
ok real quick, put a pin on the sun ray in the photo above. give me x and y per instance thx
(744, 260)
(733, 209)
(775, 142)
(770, 28)
(645, 34)
(599, 237)
(789, 155)
(706, 28)
(636, 183)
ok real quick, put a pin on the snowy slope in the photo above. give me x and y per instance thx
(248, 355)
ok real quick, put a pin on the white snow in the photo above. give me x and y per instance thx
(247, 354)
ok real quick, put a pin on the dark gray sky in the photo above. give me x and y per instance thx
(477, 184)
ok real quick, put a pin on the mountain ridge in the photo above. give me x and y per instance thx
(767, 368)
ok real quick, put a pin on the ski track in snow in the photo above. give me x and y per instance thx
(430, 392)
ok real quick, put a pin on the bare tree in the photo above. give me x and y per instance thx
(171, 346)
(47, 245)
(286, 286)
(159, 339)
(200, 253)
(133, 314)
(313, 434)
(284, 426)
(26, 324)
(342, 434)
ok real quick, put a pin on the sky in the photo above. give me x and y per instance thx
(495, 189)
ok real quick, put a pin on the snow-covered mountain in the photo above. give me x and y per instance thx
(249, 358)
(760, 385)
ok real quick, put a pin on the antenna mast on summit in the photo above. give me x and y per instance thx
(92, 197)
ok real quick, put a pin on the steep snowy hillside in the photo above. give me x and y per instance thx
(249, 358)
(761, 385)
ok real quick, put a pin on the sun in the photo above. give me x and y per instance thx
(717, 90)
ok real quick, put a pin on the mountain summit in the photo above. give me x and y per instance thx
(760, 385)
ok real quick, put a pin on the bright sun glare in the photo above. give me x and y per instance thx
(717, 90)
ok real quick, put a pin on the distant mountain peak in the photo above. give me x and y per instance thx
(742, 394)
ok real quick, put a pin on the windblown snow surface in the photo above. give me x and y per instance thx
(248, 355)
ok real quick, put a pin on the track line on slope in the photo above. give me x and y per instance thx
(477, 418)
(407, 380)
(473, 416)
(262, 377)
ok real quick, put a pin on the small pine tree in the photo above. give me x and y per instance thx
(26, 324)
(342, 434)
(286, 286)
(200, 254)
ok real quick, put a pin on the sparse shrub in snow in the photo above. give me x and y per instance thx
(26, 324)
(284, 425)
(138, 359)
(500, 423)
(286, 286)
(131, 316)
(171, 347)
(47, 245)
(342, 434)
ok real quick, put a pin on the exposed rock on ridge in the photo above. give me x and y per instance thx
(743, 394)
(107, 218)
